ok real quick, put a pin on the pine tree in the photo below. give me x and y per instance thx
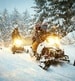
(40, 10)
(15, 18)
(5, 25)
(27, 21)
(55, 12)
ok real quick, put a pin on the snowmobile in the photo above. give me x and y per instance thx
(17, 41)
(17, 46)
(57, 53)
(51, 56)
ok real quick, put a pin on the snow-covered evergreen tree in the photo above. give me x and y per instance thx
(27, 20)
(15, 18)
(55, 12)
(4, 24)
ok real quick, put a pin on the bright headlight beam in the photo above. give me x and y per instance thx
(18, 42)
(53, 41)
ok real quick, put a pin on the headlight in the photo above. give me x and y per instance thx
(53, 41)
(18, 42)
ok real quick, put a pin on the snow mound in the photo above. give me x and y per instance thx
(69, 38)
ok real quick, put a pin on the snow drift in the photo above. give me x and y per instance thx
(69, 38)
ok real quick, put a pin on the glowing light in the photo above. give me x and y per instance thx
(53, 41)
(18, 42)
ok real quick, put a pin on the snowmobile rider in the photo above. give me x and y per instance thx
(37, 32)
(38, 37)
(15, 34)
(40, 29)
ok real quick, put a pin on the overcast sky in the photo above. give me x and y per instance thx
(20, 5)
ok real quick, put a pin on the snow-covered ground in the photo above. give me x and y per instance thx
(68, 43)
(70, 51)
(22, 67)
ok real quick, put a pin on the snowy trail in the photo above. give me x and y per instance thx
(70, 51)
(21, 67)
